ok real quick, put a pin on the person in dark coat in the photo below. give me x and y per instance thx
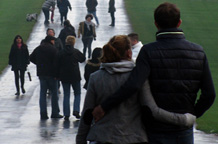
(19, 59)
(45, 59)
(87, 29)
(112, 10)
(92, 65)
(177, 70)
(69, 75)
(58, 45)
(63, 6)
(66, 31)
(91, 8)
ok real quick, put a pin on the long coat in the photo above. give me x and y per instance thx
(19, 58)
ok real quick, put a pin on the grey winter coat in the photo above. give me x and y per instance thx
(48, 3)
(123, 124)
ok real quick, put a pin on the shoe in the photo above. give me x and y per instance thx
(111, 25)
(23, 90)
(66, 118)
(17, 93)
(44, 117)
(58, 116)
(76, 114)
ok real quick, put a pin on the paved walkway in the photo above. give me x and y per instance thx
(20, 121)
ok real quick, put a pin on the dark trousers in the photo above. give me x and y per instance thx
(19, 74)
(46, 13)
(181, 137)
(112, 19)
(87, 43)
(63, 16)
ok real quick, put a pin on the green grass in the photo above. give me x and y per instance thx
(13, 22)
(200, 25)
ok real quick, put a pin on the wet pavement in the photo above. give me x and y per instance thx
(20, 121)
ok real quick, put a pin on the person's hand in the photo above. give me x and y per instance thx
(94, 38)
(70, 9)
(78, 36)
(98, 113)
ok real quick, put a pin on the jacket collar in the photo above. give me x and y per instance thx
(175, 33)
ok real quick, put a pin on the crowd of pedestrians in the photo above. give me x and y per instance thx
(135, 93)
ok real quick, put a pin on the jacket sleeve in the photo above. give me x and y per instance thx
(134, 83)
(69, 5)
(94, 32)
(160, 114)
(88, 104)
(27, 56)
(79, 56)
(208, 94)
(80, 29)
(11, 54)
(33, 56)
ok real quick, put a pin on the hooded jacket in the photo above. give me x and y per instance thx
(123, 124)
(68, 64)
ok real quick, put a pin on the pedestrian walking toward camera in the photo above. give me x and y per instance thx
(58, 44)
(45, 59)
(63, 6)
(91, 8)
(19, 59)
(48, 5)
(136, 45)
(112, 10)
(69, 75)
(68, 30)
(87, 29)
(92, 65)
(177, 69)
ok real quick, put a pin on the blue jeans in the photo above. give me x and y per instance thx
(95, 16)
(87, 42)
(77, 92)
(181, 137)
(47, 82)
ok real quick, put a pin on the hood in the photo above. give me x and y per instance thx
(118, 67)
(89, 62)
(68, 49)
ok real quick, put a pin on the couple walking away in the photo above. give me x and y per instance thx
(120, 89)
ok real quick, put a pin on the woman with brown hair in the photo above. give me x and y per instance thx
(123, 124)
(19, 59)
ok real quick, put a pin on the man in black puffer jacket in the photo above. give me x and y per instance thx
(177, 69)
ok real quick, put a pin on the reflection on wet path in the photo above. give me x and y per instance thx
(20, 121)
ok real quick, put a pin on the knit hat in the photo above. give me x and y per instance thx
(49, 38)
(70, 40)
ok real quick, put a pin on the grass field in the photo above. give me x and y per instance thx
(13, 22)
(200, 25)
